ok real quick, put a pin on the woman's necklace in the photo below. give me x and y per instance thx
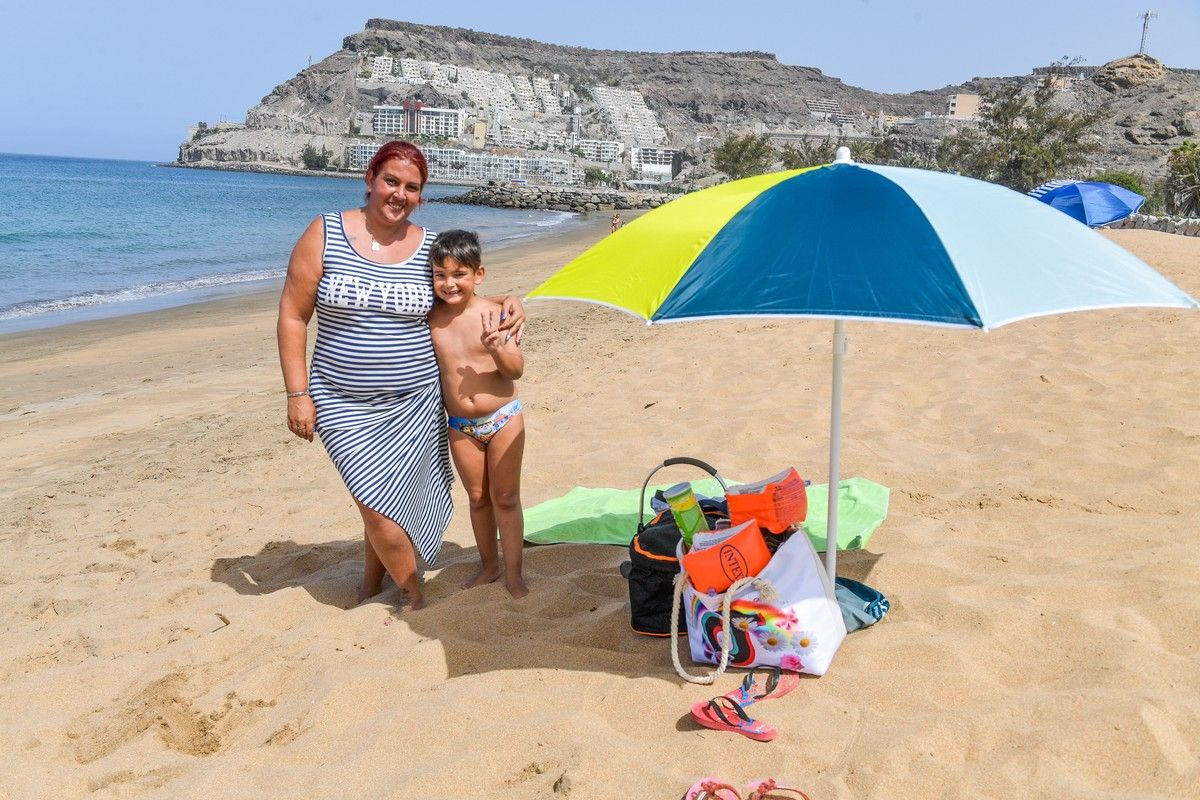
(375, 245)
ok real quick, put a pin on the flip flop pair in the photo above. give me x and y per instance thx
(713, 789)
(727, 712)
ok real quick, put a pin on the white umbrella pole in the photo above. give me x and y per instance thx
(835, 425)
(835, 450)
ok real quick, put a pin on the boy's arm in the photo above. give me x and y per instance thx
(509, 359)
(505, 351)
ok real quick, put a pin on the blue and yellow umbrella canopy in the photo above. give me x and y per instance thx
(854, 241)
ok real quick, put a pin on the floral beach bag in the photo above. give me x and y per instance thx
(786, 616)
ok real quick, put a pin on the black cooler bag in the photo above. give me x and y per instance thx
(651, 571)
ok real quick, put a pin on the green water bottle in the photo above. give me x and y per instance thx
(686, 510)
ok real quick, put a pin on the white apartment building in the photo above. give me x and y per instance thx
(548, 97)
(658, 161)
(447, 122)
(416, 119)
(523, 90)
(449, 163)
(388, 120)
(359, 154)
(598, 149)
(410, 70)
(629, 115)
(381, 68)
(503, 135)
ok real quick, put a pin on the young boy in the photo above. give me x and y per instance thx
(478, 365)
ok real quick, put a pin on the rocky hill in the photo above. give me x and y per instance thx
(694, 95)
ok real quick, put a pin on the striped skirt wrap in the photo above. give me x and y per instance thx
(399, 466)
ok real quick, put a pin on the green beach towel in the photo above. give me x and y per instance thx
(609, 516)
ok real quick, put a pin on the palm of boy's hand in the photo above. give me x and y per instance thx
(491, 338)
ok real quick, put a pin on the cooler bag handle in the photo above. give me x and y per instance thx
(671, 462)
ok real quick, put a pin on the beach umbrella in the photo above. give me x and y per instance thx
(1093, 203)
(858, 242)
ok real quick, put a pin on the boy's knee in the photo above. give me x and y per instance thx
(506, 499)
(479, 501)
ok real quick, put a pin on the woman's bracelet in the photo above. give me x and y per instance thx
(301, 393)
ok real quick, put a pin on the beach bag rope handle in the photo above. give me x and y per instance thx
(766, 592)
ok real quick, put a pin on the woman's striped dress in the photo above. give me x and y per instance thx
(374, 381)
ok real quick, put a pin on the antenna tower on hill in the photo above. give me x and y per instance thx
(1145, 16)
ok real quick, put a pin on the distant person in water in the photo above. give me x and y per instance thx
(616, 222)
(372, 392)
(480, 364)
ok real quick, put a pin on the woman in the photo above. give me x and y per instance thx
(372, 392)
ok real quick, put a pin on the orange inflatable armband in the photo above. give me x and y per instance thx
(742, 555)
(778, 503)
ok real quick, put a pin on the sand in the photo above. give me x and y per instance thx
(179, 570)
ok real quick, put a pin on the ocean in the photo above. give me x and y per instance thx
(87, 238)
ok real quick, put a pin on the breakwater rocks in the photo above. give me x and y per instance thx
(549, 198)
(1182, 226)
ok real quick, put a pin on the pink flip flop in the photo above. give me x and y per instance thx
(764, 685)
(770, 790)
(711, 789)
(725, 714)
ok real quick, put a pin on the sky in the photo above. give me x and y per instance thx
(125, 78)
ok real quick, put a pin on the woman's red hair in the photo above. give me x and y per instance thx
(405, 151)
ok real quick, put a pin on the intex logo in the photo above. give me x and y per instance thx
(733, 562)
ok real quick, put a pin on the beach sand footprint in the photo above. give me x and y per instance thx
(168, 707)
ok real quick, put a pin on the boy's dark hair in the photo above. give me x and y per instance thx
(462, 246)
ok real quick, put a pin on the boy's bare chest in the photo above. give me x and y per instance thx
(462, 337)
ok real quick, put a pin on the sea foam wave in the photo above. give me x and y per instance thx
(527, 228)
(101, 297)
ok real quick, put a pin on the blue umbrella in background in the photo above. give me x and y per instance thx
(1093, 203)
(858, 242)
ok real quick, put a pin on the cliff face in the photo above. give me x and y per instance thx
(687, 90)
(316, 101)
(1147, 110)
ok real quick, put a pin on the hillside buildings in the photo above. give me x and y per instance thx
(518, 127)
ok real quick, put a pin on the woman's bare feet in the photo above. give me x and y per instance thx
(411, 589)
(485, 575)
(516, 586)
(366, 592)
